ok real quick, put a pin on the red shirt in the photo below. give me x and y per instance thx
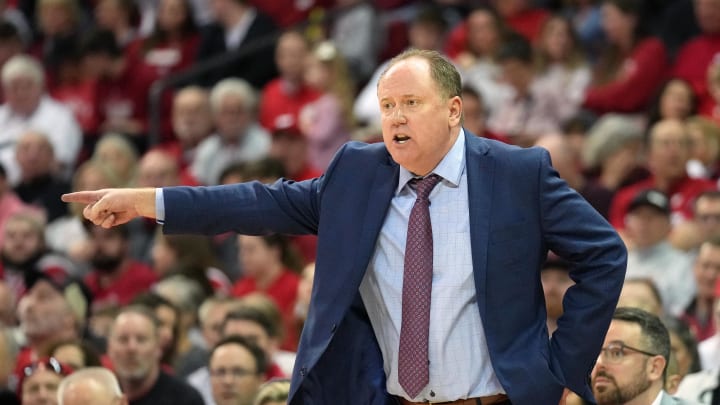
(80, 98)
(125, 97)
(135, 278)
(635, 83)
(682, 196)
(280, 108)
(692, 63)
(283, 291)
(528, 23)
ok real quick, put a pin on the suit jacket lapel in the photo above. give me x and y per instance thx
(480, 177)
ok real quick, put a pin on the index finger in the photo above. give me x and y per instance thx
(83, 197)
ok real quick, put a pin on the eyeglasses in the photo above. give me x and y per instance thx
(51, 364)
(235, 372)
(616, 351)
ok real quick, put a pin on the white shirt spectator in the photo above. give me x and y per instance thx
(50, 118)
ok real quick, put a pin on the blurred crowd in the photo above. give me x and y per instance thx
(625, 94)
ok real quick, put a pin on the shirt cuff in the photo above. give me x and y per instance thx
(159, 206)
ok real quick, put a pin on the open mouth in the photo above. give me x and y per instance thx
(401, 139)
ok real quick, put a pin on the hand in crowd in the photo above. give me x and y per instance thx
(110, 207)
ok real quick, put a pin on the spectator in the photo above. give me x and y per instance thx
(702, 386)
(12, 40)
(58, 24)
(711, 109)
(270, 265)
(705, 148)
(289, 147)
(168, 327)
(683, 345)
(612, 153)
(239, 24)
(91, 386)
(119, 17)
(696, 56)
(650, 254)
(115, 279)
(8, 354)
(676, 100)
(561, 65)
(586, 17)
(283, 97)
(238, 136)
(76, 354)
(40, 185)
(632, 365)
(7, 307)
(24, 253)
(327, 122)
(534, 110)
(120, 156)
(274, 392)
(28, 108)
(699, 313)
(668, 153)
(642, 293)
(236, 371)
(67, 235)
(523, 17)
(191, 123)
(39, 380)
(356, 32)
(122, 87)
(10, 203)
(632, 65)
(475, 115)
(555, 280)
(134, 349)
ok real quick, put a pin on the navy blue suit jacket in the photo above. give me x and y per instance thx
(519, 208)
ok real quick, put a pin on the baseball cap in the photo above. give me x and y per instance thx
(651, 198)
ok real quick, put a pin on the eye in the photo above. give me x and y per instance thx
(616, 353)
(411, 103)
(387, 106)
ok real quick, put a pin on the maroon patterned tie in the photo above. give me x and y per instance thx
(413, 374)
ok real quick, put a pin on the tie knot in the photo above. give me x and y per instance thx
(424, 186)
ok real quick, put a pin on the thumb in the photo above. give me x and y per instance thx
(83, 197)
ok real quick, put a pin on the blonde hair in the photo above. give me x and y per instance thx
(124, 147)
(273, 391)
(341, 85)
(23, 66)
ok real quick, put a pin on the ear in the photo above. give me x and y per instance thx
(656, 367)
(454, 111)
(672, 383)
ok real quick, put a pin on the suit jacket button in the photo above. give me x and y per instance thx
(303, 371)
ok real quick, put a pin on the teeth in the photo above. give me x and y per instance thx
(403, 141)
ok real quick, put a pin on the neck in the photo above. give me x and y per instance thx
(233, 16)
(42, 344)
(648, 396)
(135, 389)
(267, 277)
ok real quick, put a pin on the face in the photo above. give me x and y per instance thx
(517, 74)
(425, 36)
(483, 34)
(41, 387)
(22, 94)
(133, 347)
(256, 256)
(701, 148)
(619, 381)
(233, 375)
(291, 150)
(617, 25)
(34, 155)
(166, 332)
(21, 240)
(43, 311)
(163, 257)
(638, 294)
(707, 216)
(669, 150)
(110, 249)
(212, 325)
(115, 156)
(647, 226)
(70, 355)
(232, 117)
(681, 352)
(555, 282)
(191, 116)
(157, 169)
(706, 269)
(172, 14)
(419, 126)
(317, 74)
(707, 13)
(290, 56)
(55, 19)
(251, 331)
(108, 13)
(676, 100)
(556, 39)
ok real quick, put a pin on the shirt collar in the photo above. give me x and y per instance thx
(450, 168)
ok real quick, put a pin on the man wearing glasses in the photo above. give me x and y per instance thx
(631, 366)
(237, 369)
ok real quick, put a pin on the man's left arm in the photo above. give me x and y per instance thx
(578, 233)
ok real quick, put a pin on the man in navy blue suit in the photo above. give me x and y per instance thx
(494, 211)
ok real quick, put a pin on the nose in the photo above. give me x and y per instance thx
(398, 117)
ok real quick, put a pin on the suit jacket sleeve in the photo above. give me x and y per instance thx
(576, 232)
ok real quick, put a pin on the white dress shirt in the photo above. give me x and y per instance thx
(459, 359)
